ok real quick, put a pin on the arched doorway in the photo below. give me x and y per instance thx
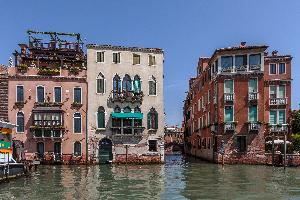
(105, 151)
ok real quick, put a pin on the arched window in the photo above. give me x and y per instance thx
(137, 84)
(127, 83)
(20, 122)
(117, 83)
(100, 84)
(101, 117)
(77, 122)
(77, 148)
(137, 110)
(152, 119)
(127, 109)
(117, 109)
(152, 85)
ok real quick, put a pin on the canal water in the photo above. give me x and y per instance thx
(179, 178)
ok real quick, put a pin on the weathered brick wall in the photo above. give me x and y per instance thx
(3, 97)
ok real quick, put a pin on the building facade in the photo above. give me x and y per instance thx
(125, 104)
(238, 104)
(47, 97)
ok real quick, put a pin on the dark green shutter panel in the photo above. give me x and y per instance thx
(148, 121)
(101, 120)
(156, 121)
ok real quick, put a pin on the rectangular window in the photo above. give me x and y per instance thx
(254, 59)
(281, 117)
(57, 94)
(253, 85)
(152, 60)
(116, 57)
(152, 145)
(226, 61)
(208, 96)
(273, 117)
(136, 59)
(281, 91)
(241, 143)
(152, 88)
(100, 56)
(228, 114)
(240, 60)
(228, 86)
(281, 68)
(273, 92)
(20, 93)
(40, 94)
(272, 68)
(252, 113)
(77, 95)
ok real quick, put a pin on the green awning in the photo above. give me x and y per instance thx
(127, 115)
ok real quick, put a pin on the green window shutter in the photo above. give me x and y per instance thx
(156, 121)
(228, 86)
(228, 114)
(148, 121)
(101, 119)
(253, 113)
(281, 93)
(281, 117)
(273, 118)
(253, 85)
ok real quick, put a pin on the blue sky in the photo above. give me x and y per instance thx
(184, 29)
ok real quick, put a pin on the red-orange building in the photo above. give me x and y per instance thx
(47, 97)
(239, 102)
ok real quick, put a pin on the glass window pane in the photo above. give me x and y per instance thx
(100, 85)
(240, 60)
(228, 114)
(226, 61)
(57, 94)
(272, 68)
(253, 85)
(101, 119)
(20, 122)
(40, 94)
(20, 93)
(273, 117)
(281, 93)
(254, 59)
(281, 117)
(272, 91)
(228, 86)
(77, 95)
(253, 113)
(281, 68)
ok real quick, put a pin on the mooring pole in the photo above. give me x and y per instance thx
(284, 159)
(273, 149)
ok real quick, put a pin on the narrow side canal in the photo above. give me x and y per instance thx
(179, 178)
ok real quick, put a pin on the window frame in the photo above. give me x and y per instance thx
(275, 64)
(80, 123)
(136, 54)
(36, 92)
(232, 113)
(152, 79)
(100, 57)
(151, 55)
(256, 113)
(104, 83)
(80, 148)
(54, 94)
(118, 53)
(256, 84)
(277, 116)
(19, 85)
(232, 85)
(23, 130)
(80, 94)
(279, 68)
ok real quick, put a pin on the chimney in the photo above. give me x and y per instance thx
(274, 53)
(243, 44)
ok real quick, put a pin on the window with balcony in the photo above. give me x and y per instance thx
(101, 117)
(77, 95)
(277, 94)
(47, 119)
(20, 122)
(241, 143)
(40, 97)
(100, 56)
(127, 83)
(241, 62)
(252, 89)
(152, 119)
(277, 117)
(100, 84)
(152, 86)
(252, 115)
(137, 84)
(77, 148)
(116, 57)
(226, 62)
(20, 93)
(228, 114)
(77, 122)
(228, 90)
(272, 68)
(254, 61)
(57, 94)
(136, 59)
(152, 60)
(281, 68)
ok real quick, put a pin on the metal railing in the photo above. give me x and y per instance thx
(228, 97)
(128, 96)
(253, 96)
(278, 101)
(253, 126)
(47, 123)
(279, 128)
(229, 126)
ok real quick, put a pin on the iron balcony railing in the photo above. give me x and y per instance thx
(228, 97)
(229, 126)
(279, 128)
(126, 96)
(253, 96)
(278, 101)
(242, 68)
(253, 126)
(47, 134)
(47, 123)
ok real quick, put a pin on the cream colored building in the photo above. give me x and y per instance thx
(125, 104)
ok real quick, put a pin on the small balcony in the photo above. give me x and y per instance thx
(254, 67)
(279, 128)
(253, 126)
(48, 104)
(253, 96)
(227, 69)
(278, 101)
(229, 126)
(47, 134)
(126, 96)
(47, 123)
(228, 97)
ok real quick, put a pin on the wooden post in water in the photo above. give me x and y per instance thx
(273, 149)
(284, 159)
